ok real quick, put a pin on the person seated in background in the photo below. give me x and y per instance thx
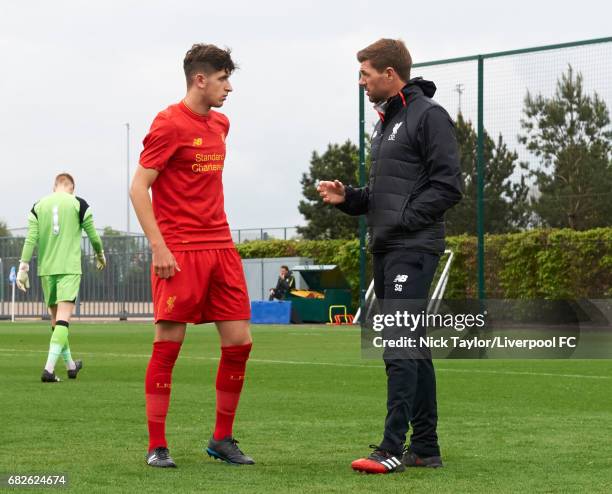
(284, 285)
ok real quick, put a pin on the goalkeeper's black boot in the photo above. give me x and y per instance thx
(160, 457)
(49, 377)
(227, 450)
(72, 374)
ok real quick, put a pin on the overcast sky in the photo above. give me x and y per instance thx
(73, 73)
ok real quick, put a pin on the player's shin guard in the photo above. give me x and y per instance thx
(158, 382)
(230, 378)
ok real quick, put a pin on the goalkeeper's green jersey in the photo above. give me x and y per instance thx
(55, 226)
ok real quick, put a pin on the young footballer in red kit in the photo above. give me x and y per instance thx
(197, 274)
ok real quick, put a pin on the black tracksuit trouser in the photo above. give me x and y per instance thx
(411, 383)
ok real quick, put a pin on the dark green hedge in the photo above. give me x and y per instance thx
(552, 264)
(344, 253)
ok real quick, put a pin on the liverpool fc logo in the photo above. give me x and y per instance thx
(395, 129)
(170, 303)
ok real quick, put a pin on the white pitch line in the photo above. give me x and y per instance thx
(330, 364)
(193, 357)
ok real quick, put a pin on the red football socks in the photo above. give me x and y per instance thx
(158, 383)
(230, 378)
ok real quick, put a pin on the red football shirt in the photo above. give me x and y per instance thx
(188, 150)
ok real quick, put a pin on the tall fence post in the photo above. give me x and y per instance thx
(480, 174)
(362, 224)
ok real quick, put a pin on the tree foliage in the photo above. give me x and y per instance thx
(570, 134)
(505, 195)
(341, 162)
(4, 231)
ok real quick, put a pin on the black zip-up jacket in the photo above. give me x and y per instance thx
(415, 174)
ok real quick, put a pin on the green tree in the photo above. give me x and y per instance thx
(570, 134)
(4, 231)
(506, 206)
(109, 231)
(339, 162)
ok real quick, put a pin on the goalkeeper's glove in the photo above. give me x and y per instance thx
(100, 260)
(23, 280)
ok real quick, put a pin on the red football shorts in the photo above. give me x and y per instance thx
(209, 287)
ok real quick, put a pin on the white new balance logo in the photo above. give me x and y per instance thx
(395, 129)
(401, 278)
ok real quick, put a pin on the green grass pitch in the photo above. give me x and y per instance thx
(310, 406)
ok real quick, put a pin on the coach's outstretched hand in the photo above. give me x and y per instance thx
(23, 280)
(331, 192)
(164, 263)
(100, 260)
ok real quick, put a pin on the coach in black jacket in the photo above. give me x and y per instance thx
(414, 178)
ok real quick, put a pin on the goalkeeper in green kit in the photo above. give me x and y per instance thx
(55, 226)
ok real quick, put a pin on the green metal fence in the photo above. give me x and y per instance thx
(122, 290)
(534, 131)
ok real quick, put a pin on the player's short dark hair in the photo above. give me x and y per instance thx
(64, 178)
(388, 53)
(286, 268)
(207, 59)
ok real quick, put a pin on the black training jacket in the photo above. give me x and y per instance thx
(415, 174)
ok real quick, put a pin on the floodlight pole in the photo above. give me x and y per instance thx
(459, 91)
